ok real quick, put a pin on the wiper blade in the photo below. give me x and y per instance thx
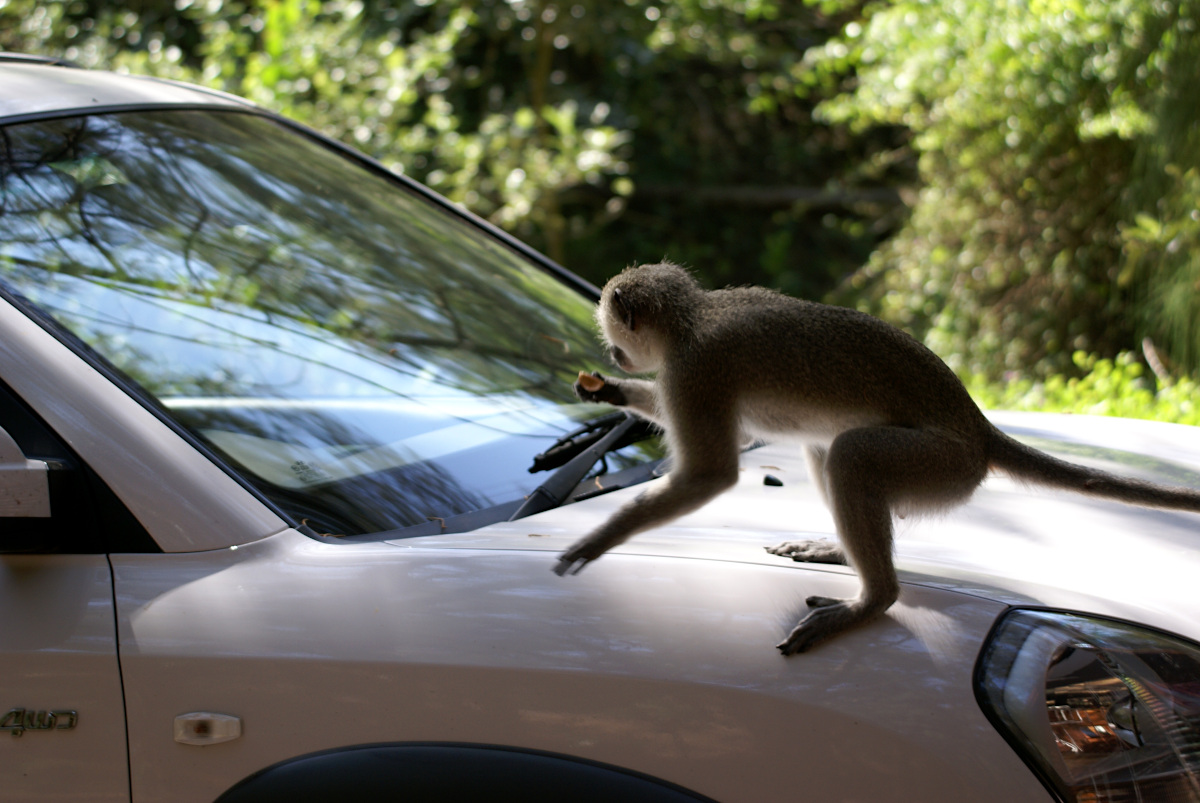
(573, 443)
(554, 491)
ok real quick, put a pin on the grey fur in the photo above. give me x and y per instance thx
(887, 426)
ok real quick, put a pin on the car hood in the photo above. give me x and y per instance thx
(1011, 543)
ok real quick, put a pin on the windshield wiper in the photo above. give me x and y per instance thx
(574, 442)
(575, 452)
(582, 448)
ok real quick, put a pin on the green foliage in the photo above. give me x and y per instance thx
(1117, 387)
(600, 132)
(1048, 151)
(1058, 151)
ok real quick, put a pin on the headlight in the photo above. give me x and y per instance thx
(1104, 711)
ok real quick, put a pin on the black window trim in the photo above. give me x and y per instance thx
(119, 531)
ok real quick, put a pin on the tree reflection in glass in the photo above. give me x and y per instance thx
(366, 358)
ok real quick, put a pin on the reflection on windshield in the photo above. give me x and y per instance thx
(367, 359)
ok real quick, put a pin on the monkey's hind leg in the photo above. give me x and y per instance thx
(814, 458)
(813, 550)
(868, 471)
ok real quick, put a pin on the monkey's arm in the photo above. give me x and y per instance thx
(638, 395)
(677, 495)
(706, 463)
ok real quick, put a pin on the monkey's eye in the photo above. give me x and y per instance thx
(623, 309)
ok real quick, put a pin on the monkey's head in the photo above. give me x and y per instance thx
(644, 311)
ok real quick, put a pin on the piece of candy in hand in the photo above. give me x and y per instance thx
(590, 383)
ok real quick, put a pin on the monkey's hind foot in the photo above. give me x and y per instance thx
(828, 618)
(810, 551)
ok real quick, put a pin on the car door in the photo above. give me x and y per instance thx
(62, 717)
(119, 482)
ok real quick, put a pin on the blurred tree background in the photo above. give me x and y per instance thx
(1058, 208)
(601, 132)
(1017, 182)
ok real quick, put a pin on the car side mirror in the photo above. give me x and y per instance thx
(24, 484)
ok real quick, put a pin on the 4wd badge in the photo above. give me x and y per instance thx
(19, 720)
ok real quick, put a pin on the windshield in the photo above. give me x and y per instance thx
(366, 358)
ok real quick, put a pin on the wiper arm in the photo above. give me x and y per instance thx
(554, 491)
(578, 440)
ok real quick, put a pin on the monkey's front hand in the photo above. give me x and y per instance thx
(580, 554)
(595, 387)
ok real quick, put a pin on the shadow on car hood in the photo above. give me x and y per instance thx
(1011, 543)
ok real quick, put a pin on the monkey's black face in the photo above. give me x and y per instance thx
(618, 357)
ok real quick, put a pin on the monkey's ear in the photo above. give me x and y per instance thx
(624, 309)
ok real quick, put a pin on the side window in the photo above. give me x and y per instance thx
(85, 516)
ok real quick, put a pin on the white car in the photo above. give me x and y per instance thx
(267, 420)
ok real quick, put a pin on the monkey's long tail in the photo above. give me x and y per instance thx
(1030, 465)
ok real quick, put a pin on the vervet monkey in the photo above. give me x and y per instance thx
(887, 427)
